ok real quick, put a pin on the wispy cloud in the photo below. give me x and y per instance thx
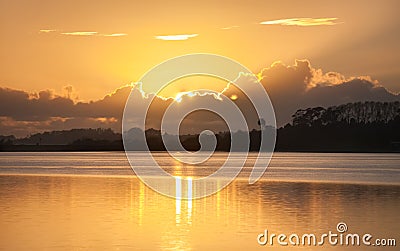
(80, 33)
(84, 33)
(304, 21)
(47, 31)
(114, 35)
(176, 37)
(230, 27)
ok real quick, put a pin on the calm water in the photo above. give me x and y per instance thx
(93, 201)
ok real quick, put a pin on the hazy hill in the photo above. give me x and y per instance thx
(66, 137)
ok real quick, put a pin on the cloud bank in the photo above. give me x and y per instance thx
(290, 87)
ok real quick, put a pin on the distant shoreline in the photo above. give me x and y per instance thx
(75, 148)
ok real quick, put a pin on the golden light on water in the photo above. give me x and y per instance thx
(99, 213)
(179, 207)
(141, 202)
(178, 195)
(189, 201)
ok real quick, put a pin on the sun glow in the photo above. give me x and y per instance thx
(178, 97)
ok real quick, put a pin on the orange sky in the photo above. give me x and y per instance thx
(98, 46)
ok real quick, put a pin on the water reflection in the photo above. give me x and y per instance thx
(110, 213)
(178, 199)
(141, 201)
(189, 200)
(178, 195)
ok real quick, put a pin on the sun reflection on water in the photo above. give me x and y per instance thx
(108, 213)
(180, 208)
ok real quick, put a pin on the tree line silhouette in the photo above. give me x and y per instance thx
(368, 126)
(353, 127)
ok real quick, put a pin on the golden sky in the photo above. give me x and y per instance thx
(98, 46)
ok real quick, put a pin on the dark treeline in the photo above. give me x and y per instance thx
(353, 127)
(67, 140)
(361, 127)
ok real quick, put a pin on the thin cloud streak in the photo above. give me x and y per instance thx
(80, 33)
(304, 21)
(230, 27)
(114, 35)
(176, 37)
(47, 31)
(84, 33)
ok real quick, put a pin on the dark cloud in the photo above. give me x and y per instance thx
(289, 88)
(301, 86)
(23, 106)
(22, 113)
